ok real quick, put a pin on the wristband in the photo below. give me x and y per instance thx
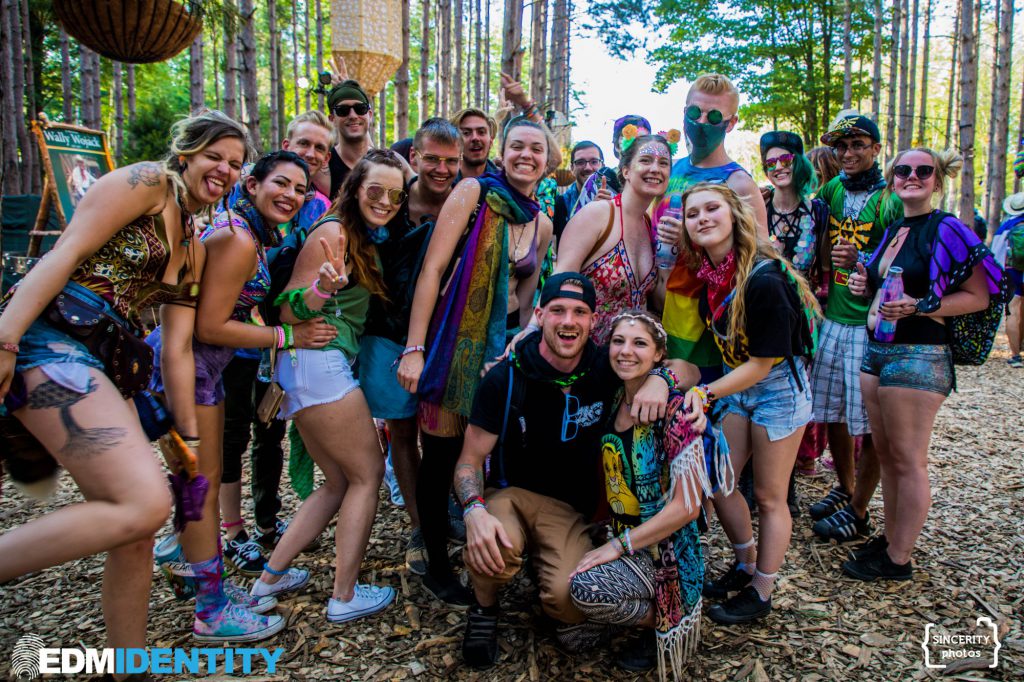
(471, 506)
(668, 375)
(627, 544)
(279, 331)
(289, 340)
(409, 350)
(315, 287)
(298, 306)
(476, 498)
(10, 347)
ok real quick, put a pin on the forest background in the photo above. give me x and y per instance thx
(939, 73)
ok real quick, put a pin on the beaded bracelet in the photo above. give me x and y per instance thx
(289, 340)
(627, 544)
(10, 347)
(413, 349)
(668, 375)
(471, 506)
(705, 395)
(279, 331)
(315, 287)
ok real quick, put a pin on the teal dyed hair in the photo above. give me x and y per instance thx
(804, 178)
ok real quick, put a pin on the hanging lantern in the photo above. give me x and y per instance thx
(367, 34)
(132, 31)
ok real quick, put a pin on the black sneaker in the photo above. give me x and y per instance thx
(244, 555)
(878, 566)
(733, 580)
(877, 544)
(743, 608)
(640, 655)
(843, 526)
(268, 539)
(836, 499)
(480, 644)
(451, 591)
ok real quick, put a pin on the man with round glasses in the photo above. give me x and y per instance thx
(352, 115)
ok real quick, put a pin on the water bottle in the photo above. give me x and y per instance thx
(665, 254)
(892, 290)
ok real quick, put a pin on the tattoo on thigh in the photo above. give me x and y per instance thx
(147, 172)
(82, 442)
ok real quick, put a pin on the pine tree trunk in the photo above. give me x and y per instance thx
(247, 70)
(904, 130)
(469, 53)
(402, 80)
(9, 104)
(118, 113)
(968, 104)
(477, 59)
(321, 103)
(457, 80)
(445, 18)
(17, 87)
(275, 72)
(556, 68)
(924, 73)
(486, 103)
(512, 38)
(382, 117)
(129, 83)
(305, 55)
(214, 46)
(295, 59)
(437, 57)
(890, 125)
(876, 72)
(847, 56)
(990, 150)
(1001, 116)
(196, 91)
(1020, 135)
(66, 89)
(30, 159)
(952, 99)
(86, 74)
(912, 95)
(230, 66)
(538, 52)
(424, 59)
(97, 93)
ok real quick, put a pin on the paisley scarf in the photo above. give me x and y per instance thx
(268, 236)
(467, 328)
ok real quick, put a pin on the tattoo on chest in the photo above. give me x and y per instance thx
(147, 172)
(82, 442)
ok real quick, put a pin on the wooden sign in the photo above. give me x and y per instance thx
(74, 159)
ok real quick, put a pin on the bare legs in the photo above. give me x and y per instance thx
(860, 480)
(901, 421)
(199, 540)
(405, 458)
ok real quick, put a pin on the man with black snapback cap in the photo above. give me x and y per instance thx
(352, 115)
(539, 414)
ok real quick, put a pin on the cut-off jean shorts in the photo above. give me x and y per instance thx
(312, 377)
(923, 366)
(776, 402)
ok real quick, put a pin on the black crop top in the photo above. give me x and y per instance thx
(914, 257)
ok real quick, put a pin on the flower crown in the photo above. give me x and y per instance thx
(629, 136)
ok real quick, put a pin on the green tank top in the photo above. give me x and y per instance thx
(346, 311)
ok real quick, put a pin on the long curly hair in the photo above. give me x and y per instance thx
(749, 250)
(361, 250)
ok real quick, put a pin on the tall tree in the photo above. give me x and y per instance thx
(894, 51)
(306, 53)
(906, 123)
(320, 48)
(953, 81)
(876, 61)
(968, 105)
(911, 96)
(1020, 135)
(275, 72)
(424, 58)
(17, 86)
(538, 51)
(924, 72)
(295, 58)
(247, 70)
(1000, 125)
(230, 65)
(67, 89)
(30, 154)
(445, 19)
(457, 82)
(87, 73)
(512, 38)
(196, 89)
(118, 113)
(9, 104)
(486, 103)
(129, 83)
(477, 58)
(382, 117)
(557, 68)
(847, 56)
(402, 80)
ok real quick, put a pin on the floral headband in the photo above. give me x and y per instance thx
(629, 136)
(656, 328)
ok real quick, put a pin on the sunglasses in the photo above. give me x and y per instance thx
(842, 147)
(693, 113)
(903, 171)
(781, 161)
(376, 193)
(344, 109)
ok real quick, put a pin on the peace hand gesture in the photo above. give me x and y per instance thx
(332, 272)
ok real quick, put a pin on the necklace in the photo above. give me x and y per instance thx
(513, 256)
(900, 237)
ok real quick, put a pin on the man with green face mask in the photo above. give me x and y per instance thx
(709, 115)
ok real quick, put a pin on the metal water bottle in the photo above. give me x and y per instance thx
(665, 254)
(892, 290)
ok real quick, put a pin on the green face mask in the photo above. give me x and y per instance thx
(704, 138)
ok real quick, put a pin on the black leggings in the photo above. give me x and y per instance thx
(433, 486)
(242, 393)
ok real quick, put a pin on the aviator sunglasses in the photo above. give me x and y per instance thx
(714, 115)
(780, 161)
(344, 109)
(377, 192)
(903, 171)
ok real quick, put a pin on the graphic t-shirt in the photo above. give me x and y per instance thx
(860, 218)
(688, 336)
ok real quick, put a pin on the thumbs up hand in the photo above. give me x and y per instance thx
(858, 282)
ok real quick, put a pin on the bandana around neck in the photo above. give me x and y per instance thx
(268, 236)
(720, 279)
(868, 181)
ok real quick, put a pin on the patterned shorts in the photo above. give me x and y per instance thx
(835, 377)
(921, 366)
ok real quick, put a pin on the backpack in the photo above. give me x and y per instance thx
(1015, 241)
(281, 262)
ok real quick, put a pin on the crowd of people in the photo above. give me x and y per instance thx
(587, 405)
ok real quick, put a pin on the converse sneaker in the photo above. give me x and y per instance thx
(733, 580)
(367, 600)
(416, 553)
(268, 539)
(743, 608)
(293, 579)
(244, 555)
(836, 499)
(237, 595)
(878, 566)
(877, 544)
(236, 624)
(480, 643)
(843, 526)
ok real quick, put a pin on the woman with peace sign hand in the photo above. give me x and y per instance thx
(334, 277)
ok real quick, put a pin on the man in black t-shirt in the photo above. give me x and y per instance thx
(352, 115)
(545, 473)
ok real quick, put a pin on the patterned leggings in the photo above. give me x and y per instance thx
(620, 592)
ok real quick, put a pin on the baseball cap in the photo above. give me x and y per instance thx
(554, 288)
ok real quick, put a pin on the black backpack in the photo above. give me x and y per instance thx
(281, 263)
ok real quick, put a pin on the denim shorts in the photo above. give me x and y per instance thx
(776, 402)
(378, 375)
(925, 367)
(312, 377)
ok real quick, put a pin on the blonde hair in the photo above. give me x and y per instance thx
(315, 117)
(716, 84)
(948, 164)
(191, 135)
(749, 250)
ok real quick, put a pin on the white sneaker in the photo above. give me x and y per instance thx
(368, 599)
(294, 579)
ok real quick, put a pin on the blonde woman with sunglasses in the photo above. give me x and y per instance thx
(335, 275)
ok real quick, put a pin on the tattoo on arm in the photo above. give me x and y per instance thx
(147, 172)
(82, 442)
(469, 482)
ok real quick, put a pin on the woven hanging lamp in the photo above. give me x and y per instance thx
(132, 31)
(367, 34)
